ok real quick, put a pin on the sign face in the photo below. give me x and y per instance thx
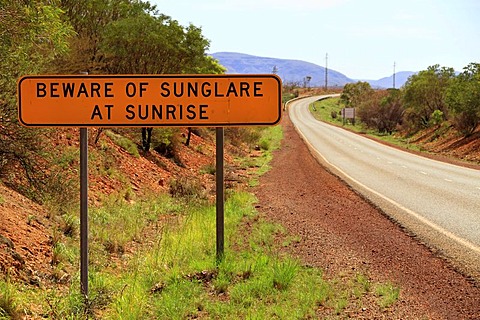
(149, 100)
(348, 113)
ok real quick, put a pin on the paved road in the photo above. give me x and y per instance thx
(439, 196)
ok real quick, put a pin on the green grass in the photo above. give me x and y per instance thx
(270, 139)
(173, 273)
(155, 258)
(322, 110)
(208, 169)
(9, 304)
(288, 96)
(127, 220)
(388, 294)
(68, 156)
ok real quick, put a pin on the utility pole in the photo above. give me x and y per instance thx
(326, 71)
(394, 64)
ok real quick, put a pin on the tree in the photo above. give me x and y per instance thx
(382, 110)
(89, 19)
(354, 93)
(156, 45)
(463, 99)
(147, 44)
(425, 92)
(32, 34)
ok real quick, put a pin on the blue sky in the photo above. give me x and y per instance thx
(363, 38)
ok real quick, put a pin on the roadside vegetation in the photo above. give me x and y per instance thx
(435, 100)
(330, 110)
(160, 263)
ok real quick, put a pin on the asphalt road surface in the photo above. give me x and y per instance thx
(437, 200)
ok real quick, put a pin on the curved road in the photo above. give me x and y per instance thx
(439, 198)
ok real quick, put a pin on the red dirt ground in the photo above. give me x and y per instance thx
(344, 235)
(26, 232)
(339, 231)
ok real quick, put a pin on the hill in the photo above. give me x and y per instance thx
(387, 82)
(296, 70)
(288, 70)
(27, 242)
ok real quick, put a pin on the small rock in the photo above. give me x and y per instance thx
(7, 241)
(17, 256)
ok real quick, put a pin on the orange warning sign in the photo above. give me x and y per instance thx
(149, 100)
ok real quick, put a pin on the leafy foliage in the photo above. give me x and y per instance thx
(382, 110)
(463, 99)
(432, 97)
(69, 36)
(126, 36)
(89, 19)
(424, 93)
(155, 45)
(32, 35)
(354, 93)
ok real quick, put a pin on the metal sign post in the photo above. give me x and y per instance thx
(220, 201)
(84, 211)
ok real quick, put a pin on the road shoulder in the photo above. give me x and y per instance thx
(343, 233)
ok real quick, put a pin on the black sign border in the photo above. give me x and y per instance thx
(150, 76)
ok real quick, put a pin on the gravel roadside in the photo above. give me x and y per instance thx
(343, 234)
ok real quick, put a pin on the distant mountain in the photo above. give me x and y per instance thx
(288, 70)
(387, 82)
(297, 70)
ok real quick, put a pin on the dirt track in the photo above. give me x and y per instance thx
(344, 235)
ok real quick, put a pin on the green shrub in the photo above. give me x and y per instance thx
(436, 118)
(123, 142)
(264, 144)
(209, 168)
(9, 308)
(238, 135)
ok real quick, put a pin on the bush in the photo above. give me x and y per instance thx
(463, 99)
(465, 123)
(183, 187)
(238, 135)
(436, 118)
(382, 111)
(283, 273)
(123, 142)
(9, 308)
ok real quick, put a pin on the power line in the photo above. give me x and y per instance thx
(326, 71)
(394, 64)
